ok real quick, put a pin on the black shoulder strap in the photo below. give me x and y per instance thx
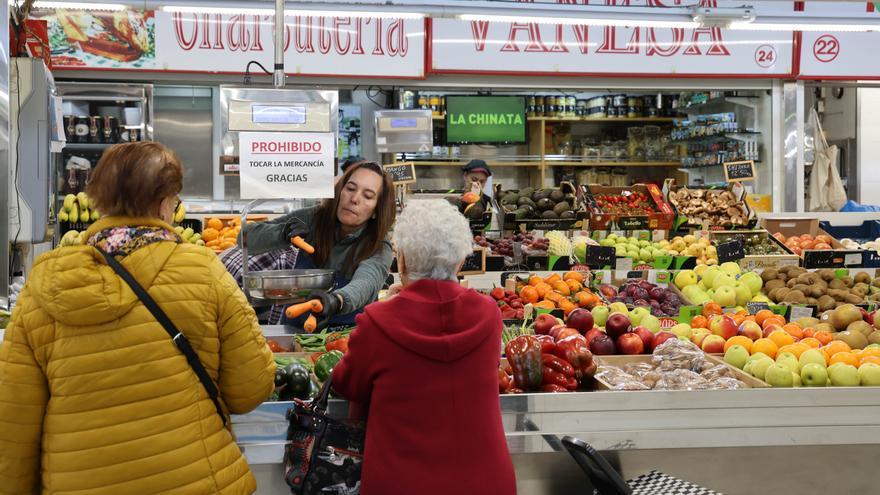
(178, 338)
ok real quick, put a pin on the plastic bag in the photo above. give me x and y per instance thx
(726, 384)
(678, 354)
(682, 379)
(853, 206)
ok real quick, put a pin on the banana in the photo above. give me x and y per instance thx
(74, 213)
(83, 200)
(180, 213)
(187, 233)
(95, 215)
(68, 202)
(178, 230)
(63, 216)
(84, 215)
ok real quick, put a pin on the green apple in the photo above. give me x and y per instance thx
(723, 280)
(636, 315)
(620, 251)
(650, 322)
(759, 355)
(600, 315)
(613, 237)
(607, 242)
(743, 293)
(759, 366)
(753, 281)
(796, 379)
(762, 298)
(814, 375)
(710, 274)
(731, 268)
(778, 375)
(619, 307)
(869, 374)
(681, 330)
(633, 241)
(812, 356)
(845, 375)
(685, 278)
(725, 296)
(789, 360)
(737, 356)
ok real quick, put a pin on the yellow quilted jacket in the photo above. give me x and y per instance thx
(95, 398)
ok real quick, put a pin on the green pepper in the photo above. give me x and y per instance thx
(324, 365)
(524, 356)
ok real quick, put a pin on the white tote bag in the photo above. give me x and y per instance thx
(826, 191)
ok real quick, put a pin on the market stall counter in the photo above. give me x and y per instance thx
(759, 440)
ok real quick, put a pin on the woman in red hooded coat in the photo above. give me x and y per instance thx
(425, 365)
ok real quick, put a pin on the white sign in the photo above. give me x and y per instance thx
(459, 46)
(840, 55)
(286, 164)
(314, 45)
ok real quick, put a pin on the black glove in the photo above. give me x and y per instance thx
(292, 229)
(332, 304)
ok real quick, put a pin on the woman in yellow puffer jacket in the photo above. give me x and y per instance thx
(94, 396)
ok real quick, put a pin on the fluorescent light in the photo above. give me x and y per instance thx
(79, 5)
(317, 13)
(747, 26)
(579, 21)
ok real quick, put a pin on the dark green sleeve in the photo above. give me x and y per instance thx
(268, 236)
(368, 279)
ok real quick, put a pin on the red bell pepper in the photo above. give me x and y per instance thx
(566, 332)
(557, 364)
(514, 390)
(336, 342)
(553, 388)
(497, 293)
(548, 345)
(503, 381)
(576, 351)
(524, 356)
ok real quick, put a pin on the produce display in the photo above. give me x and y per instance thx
(641, 294)
(293, 380)
(531, 204)
(221, 235)
(799, 244)
(625, 203)
(868, 246)
(709, 207)
(565, 292)
(755, 243)
(689, 245)
(796, 285)
(641, 251)
(504, 247)
(725, 285)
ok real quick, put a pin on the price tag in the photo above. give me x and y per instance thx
(728, 310)
(852, 259)
(635, 274)
(662, 277)
(474, 263)
(401, 173)
(517, 253)
(800, 312)
(739, 171)
(600, 256)
(731, 251)
(754, 307)
(624, 264)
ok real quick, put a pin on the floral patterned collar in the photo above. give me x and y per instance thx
(122, 241)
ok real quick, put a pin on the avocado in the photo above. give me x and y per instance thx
(520, 214)
(474, 211)
(557, 195)
(526, 192)
(545, 204)
(549, 215)
(538, 196)
(523, 201)
(510, 198)
(568, 214)
(560, 207)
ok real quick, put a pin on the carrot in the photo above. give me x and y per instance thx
(311, 324)
(302, 244)
(295, 310)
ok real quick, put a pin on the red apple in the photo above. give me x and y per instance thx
(869, 317)
(593, 333)
(770, 329)
(617, 325)
(699, 335)
(713, 344)
(602, 345)
(750, 329)
(580, 319)
(543, 323)
(647, 337)
(662, 337)
(630, 343)
(723, 326)
(554, 331)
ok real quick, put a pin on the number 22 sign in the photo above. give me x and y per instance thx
(826, 48)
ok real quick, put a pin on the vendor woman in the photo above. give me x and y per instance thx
(349, 233)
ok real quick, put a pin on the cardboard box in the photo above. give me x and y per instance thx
(661, 219)
(752, 262)
(683, 221)
(621, 360)
(508, 221)
(837, 257)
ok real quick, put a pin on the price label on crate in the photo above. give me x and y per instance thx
(754, 307)
(624, 264)
(731, 251)
(800, 312)
(600, 256)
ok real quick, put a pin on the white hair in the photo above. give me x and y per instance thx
(434, 239)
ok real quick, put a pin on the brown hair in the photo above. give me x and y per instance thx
(326, 223)
(132, 179)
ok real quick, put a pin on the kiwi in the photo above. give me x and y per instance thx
(837, 284)
(779, 294)
(812, 301)
(862, 278)
(876, 282)
(796, 271)
(773, 284)
(848, 282)
(859, 292)
(791, 283)
(805, 289)
(794, 297)
(854, 299)
(557, 195)
(824, 327)
(786, 269)
(782, 277)
(549, 215)
(816, 291)
(825, 303)
(826, 274)
(560, 207)
(544, 204)
(769, 274)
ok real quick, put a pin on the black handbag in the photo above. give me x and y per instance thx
(178, 338)
(323, 455)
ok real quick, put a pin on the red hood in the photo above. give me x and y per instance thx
(439, 320)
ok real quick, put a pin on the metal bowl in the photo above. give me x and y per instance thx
(285, 286)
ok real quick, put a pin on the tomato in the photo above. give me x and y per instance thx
(274, 346)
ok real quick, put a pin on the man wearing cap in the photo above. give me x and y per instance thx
(476, 170)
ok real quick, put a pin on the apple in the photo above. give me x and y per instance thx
(778, 375)
(762, 298)
(662, 337)
(814, 375)
(737, 356)
(796, 379)
(753, 281)
(723, 280)
(743, 293)
(554, 332)
(869, 374)
(602, 345)
(713, 344)
(651, 322)
(682, 330)
(812, 356)
(770, 329)
(619, 307)
(725, 296)
(731, 268)
(580, 319)
(750, 329)
(758, 367)
(593, 333)
(600, 315)
(789, 360)
(845, 375)
(636, 315)
(630, 343)
(709, 275)
(543, 323)
(723, 326)
(685, 278)
(617, 325)
(647, 337)
(698, 334)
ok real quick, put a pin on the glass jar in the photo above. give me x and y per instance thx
(588, 176)
(539, 106)
(635, 143)
(530, 107)
(619, 178)
(603, 176)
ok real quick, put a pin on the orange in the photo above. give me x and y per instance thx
(797, 349)
(711, 309)
(794, 330)
(766, 346)
(574, 285)
(869, 359)
(773, 320)
(576, 276)
(738, 340)
(824, 337)
(535, 280)
(529, 294)
(845, 357)
(567, 306)
(586, 299)
(868, 351)
(700, 321)
(781, 338)
(762, 315)
(811, 342)
(836, 346)
(809, 332)
(210, 234)
(738, 318)
(545, 304)
(214, 223)
(214, 243)
(553, 296)
(543, 289)
(553, 278)
(562, 288)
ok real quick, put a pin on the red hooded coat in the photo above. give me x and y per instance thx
(426, 361)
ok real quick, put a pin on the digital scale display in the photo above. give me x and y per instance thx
(278, 114)
(404, 123)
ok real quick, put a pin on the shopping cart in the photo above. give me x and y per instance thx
(607, 481)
